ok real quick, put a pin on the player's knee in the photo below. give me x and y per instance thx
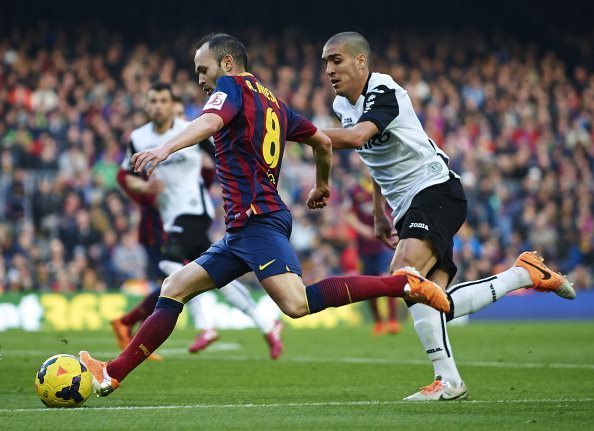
(172, 289)
(402, 262)
(293, 308)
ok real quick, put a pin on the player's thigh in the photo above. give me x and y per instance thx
(441, 277)
(187, 282)
(415, 252)
(288, 292)
(222, 263)
(426, 230)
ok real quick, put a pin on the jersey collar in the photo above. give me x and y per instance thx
(366, 85)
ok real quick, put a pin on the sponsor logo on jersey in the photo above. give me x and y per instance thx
(418, 226)
(215, 101)
(375, 140)
(347, 120)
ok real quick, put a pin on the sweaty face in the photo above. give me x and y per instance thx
(159, 106)
(207, 69)
(346, 72)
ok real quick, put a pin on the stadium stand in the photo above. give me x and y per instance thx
(516, 120)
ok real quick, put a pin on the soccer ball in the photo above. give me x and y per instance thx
(63, 381)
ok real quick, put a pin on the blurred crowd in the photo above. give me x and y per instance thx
(514, 118)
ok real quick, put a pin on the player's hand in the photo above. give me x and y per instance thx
(385, 232)
(148, 159)
(318, 197)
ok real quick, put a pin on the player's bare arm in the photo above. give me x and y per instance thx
(361, 228)
(322, 148)
(353, 137)
(384, 230)
(139, 185)
(201, 128)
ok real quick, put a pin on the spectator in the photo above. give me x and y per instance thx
(517, 123)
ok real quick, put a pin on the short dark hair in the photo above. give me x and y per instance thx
(221, 44)
(355, 42)
(177, 99)
(162, 86)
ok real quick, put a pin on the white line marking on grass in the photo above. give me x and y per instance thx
(176, 352)
(303, 404)
(179, 352)
(473, 363)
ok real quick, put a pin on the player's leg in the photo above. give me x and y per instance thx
(529, 271)
(430, 325)
(426, 233)
(122, 326)
(187, 243)
(379, 264)
(296, 300)
(264, 245)
(393, 323)
(239, 296)
(383, 260)
(177, 289)
(204, 324)
(378, 322)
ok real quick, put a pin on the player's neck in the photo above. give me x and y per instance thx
(163, 127)
(358, 90)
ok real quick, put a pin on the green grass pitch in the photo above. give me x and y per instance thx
(528, 376)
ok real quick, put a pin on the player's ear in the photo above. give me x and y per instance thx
(361, 61)
(227, 63)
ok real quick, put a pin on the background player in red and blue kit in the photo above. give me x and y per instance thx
(250, 127)
(374, 256)
(152, 238)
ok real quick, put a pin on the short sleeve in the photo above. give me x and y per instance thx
(226, 99)
(299, 128)
(380, 107)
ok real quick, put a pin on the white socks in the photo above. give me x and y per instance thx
(239, 296)
(467, 298)
(430, 325)
(472, 296)
(199, 306)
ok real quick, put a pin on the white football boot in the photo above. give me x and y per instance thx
(440, 390)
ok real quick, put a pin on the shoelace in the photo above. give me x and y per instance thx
(435, 386)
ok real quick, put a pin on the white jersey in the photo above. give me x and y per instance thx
(181, 172)
(401, 158)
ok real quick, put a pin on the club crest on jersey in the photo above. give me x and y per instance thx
(435, 167)
(216, 100)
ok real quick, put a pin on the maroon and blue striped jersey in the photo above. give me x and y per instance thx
(249, 148)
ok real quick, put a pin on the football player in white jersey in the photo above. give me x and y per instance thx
(427, 199)
(186, 211)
